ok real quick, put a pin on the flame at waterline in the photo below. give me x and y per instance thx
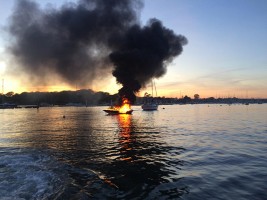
(125, 107)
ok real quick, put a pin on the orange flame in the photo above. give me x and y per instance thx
(125, 107)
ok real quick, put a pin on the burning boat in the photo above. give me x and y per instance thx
(125, 108)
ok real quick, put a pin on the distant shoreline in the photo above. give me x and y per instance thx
(90, 98)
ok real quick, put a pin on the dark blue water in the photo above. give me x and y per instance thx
(182, 151)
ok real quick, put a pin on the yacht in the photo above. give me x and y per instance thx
(150, 104)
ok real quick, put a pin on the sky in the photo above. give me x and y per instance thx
(226, 54)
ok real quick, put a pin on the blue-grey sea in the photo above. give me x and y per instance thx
(178, 152)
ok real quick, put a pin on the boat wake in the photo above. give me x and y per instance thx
(29, 175)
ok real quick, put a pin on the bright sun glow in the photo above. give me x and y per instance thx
(2, 67)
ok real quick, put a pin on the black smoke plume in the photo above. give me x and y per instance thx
(144, 54)
(73, 41)
(87, 39)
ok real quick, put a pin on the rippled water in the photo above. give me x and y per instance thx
(182, 151)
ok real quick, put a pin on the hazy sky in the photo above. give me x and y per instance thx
(226, 54)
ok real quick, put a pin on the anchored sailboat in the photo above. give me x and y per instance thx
(150, 104)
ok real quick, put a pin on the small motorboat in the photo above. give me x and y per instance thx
(125, 108)
(112, 111)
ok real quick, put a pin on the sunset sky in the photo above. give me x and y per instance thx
(226, 54)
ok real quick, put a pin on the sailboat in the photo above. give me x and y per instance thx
(247, 100)
(150, 104)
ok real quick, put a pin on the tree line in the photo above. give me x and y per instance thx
(82, 97)
(88, 97)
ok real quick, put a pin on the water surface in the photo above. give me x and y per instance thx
(182, 151)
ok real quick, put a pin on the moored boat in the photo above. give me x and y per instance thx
(149, 102)
(32, 106)
(125, 108)
(150, 106)
(113, 111)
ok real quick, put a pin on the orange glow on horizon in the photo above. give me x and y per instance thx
(206, 93)
(223, 93)
(55, 88)
(179, 91)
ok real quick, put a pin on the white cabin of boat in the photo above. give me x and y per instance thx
(150, 103)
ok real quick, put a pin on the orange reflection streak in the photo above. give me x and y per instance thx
(125, 136)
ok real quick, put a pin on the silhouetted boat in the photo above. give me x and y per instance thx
(113, 111)
(32, 106)
(125, 108)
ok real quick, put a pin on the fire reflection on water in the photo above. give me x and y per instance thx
(125, 138)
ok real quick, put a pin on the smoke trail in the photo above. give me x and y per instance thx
(84, 40)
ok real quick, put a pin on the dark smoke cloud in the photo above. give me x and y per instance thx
(144, 54)
(73, 41)
(83, 40)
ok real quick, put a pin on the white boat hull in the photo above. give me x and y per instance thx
(150, 107)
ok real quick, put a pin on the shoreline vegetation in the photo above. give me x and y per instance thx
(91, 98)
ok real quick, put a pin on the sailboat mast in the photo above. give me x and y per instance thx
(152, 87)
(155, 89)
(3, 90)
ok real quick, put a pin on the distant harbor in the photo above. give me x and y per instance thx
(8, 106)
(13, 106)
(84, 98)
